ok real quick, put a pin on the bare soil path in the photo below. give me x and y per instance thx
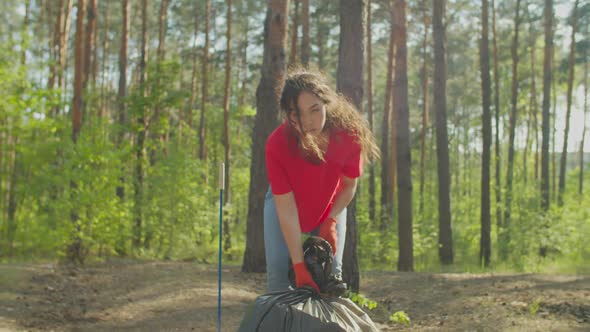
(181, 296)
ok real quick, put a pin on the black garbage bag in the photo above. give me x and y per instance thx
(304, 310)
(317, 255)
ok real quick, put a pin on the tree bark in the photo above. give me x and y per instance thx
(25, 32)
(581, 176)
(226, 141)
(349, 82)
(305, 43)
(77, 101)
(141, 135)
(89, 41)
(485, 244)
(403, 150)
(205, 64)
(193, 97)
(294, 35)
(105, 51)
(370, 109)
(505, 231)
(425, 101)
(547, 76)
(497, 154)
(386, 189)
(445, 234)
(122, 90)
(570, 87)
(273, 71)
(75, 250)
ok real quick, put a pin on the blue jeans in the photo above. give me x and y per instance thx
(277, 253)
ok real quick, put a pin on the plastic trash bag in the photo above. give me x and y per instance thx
(304, 310)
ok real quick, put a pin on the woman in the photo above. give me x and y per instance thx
(313, 161)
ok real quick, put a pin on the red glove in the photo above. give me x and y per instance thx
(328, 232)
(303, 277)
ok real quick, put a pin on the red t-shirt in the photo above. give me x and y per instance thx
(314, 186)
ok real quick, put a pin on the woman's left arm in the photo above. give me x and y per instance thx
(344, 197)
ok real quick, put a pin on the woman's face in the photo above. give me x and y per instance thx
(312, 113)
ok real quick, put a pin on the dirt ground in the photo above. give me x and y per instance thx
(182, 296)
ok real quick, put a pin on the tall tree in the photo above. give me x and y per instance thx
(425, 101)
(497, 155)
(226, 145)
(351, 50)
(76, 247)
(195, 57)
(570, 88)
(78, 101)
(142, 132)
(305, 39)
(266, 119)
(89, 41)
(445, 233)
(505, 231)
(485, 245)
(122, 90)
(547, 76)
(403, 150)
(105, 51)
(370, 108)
(204, 83)
(25, 32)
(294, 35)
(386, 175)
(581, 176)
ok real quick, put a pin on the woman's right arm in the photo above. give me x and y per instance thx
(289, 221)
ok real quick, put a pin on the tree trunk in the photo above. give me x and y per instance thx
(105, 51)
(322, 32)
(89, 41)
(25, 32)
(485, 244)
(63, 50)
(226, 142)
(370, 109)
(497, 155)
(294, 35)
(570, 87)
(75, 250)
(581, 177)
(349, 78)
(553, 145)
(534, 105)
(54, 43)
(403, 150)
(548, 22)
(305, 43)
(445, 233)
(425, 101)
(266, 119)
(386, 189)
(205, 64)
(505, 231)
(77, 101)
(122, 91)
(141, 137)
(193, 97)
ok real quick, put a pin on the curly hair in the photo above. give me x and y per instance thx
(340, 114)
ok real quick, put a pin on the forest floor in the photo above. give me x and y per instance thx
(182, 296)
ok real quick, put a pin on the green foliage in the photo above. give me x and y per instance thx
(361, 300)
(534, 307)
(400, 317)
